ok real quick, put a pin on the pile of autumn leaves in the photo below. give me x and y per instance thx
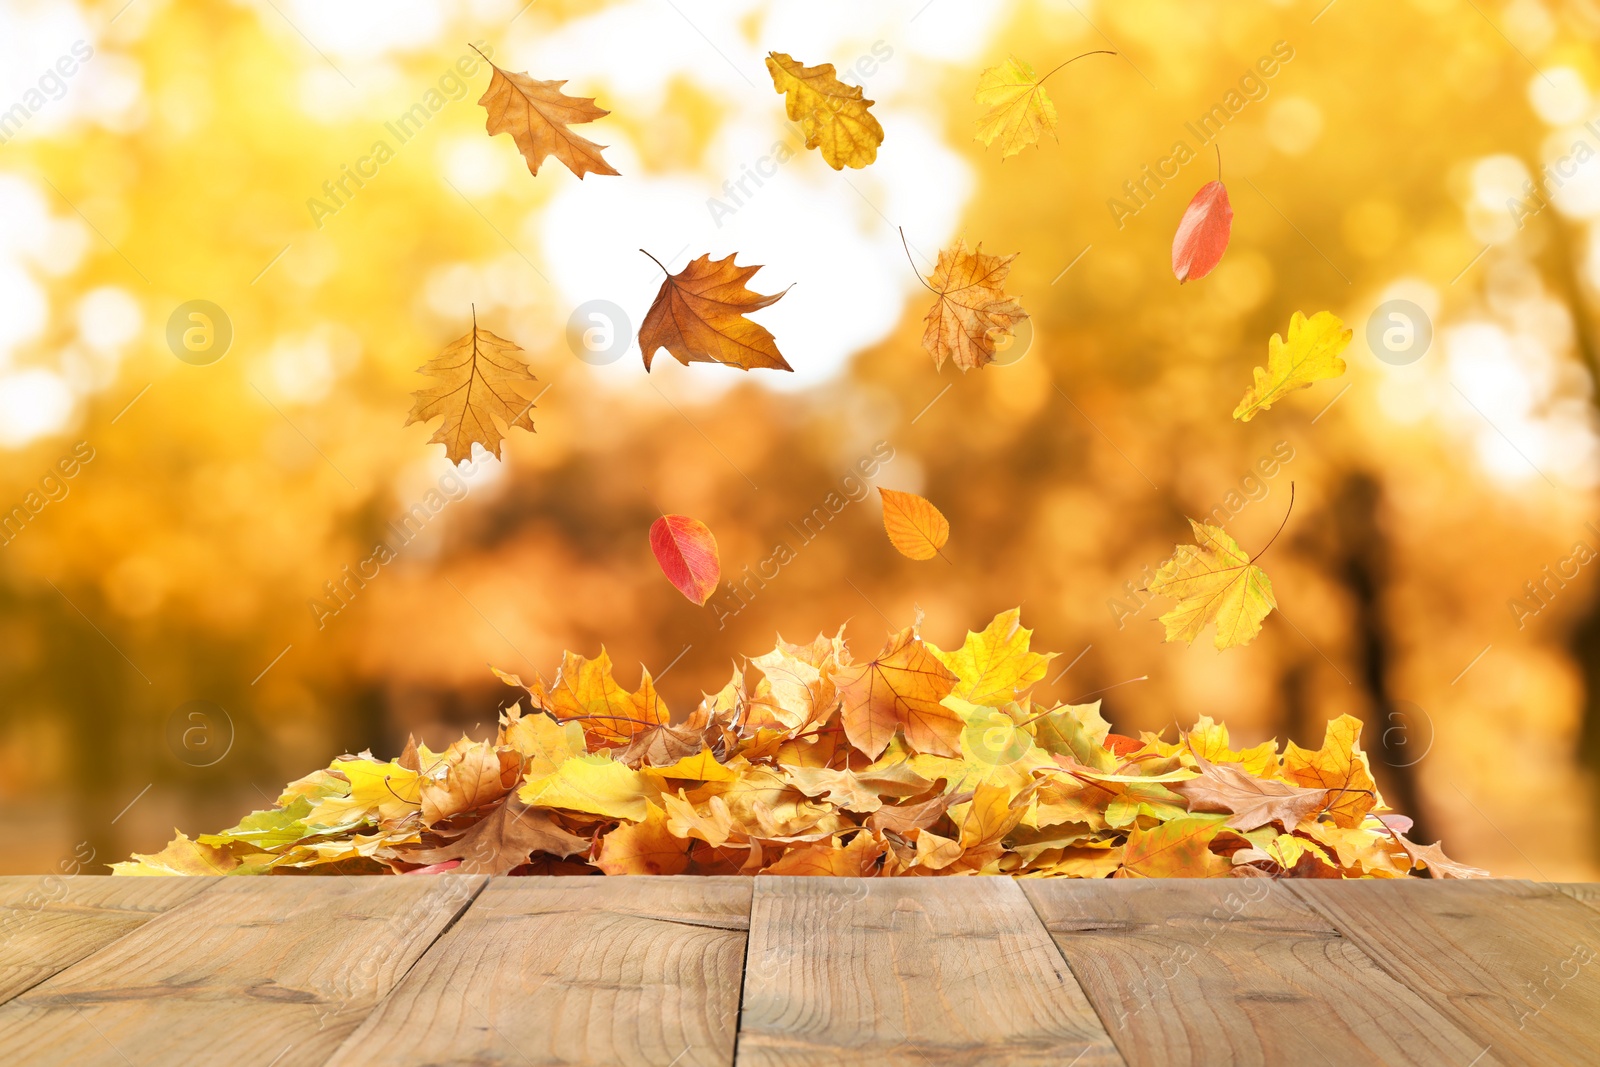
(916, 761)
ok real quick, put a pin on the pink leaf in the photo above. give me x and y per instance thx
(1203, 234)
(688, 555)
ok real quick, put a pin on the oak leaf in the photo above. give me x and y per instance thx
(1213, 581)
(536, 114)
(1249, 801)
(972, 314)
(699, 316)
(916, 528)
(1439, 865)
(833, 116)
(902, 688)
(1309, 355)
(480, 378)
(504, 839)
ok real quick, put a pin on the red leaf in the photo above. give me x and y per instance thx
(688, 555)
(1203, 233)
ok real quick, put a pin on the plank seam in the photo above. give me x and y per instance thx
(744, 973)
(1049, 935)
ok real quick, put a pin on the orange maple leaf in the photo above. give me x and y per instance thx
(699, 317)
(900, 689)
(972, 314)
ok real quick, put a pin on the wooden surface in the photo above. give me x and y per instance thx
(674, 972)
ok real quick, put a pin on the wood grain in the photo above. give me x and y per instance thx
(545, 971)
(1236, 972)
(251, 971)
(49, 923)
(914, 971)
(1501, 956)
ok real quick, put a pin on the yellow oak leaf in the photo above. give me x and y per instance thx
(916, 528)
(972, 314)
(995, 667)
(1340, 767)
(1213, 581)
(536, 114)
(699, 316)
(1176, 849)
(1311, 354)
(833, 116)
(902, 688)
(480, 380)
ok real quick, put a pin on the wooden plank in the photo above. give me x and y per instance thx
(1240, 972)
(252, 971)
(573, 971)
(913, 971)
(49, 923)
(1502, 957)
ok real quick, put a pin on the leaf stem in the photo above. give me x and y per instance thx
(1219, 161)
(486, 59)
(1074, 59)
(1281, 525)
(913, 263)
(658, 263)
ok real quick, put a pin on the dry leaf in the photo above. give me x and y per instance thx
(902, 688)
(1249, 801)
(916, 528)
(687, 552)
(536, 114)
(1310, 355)
(1213, 581)
(972, 313)
(1019, 111)
(833, 116)
(480, 380)
(699, 317)
(504, 839)
(1203, 233)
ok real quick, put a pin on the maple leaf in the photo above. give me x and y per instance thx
(1203, 233)
(995, 667)
(479, 380)
(916, 528)
(1310, 355)
(536, 114)
(833, 116)
(1176, 849)
(504, 839)
(699, 316)
(1213, 581)
(1019, 110)
(475, 776)
(593, 785)
(585, 690)
(644, 847)
(1250, 802)
(687, 553)
(1340, 767)
(972, 313)
(902, 688)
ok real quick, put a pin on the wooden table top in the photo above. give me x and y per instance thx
(682, 972)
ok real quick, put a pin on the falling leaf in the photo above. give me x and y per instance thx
(902, 688)
(479, 382)
(916, 528)
(1203, 233)
(1213, 581)
(1311, 354)
(699, 317)
(833, 116)
(972, 314)
(503, 840)
(1019, 111)
(687, 552)
(536, 114)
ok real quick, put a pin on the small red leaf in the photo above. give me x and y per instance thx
(1203, 233)
(688, 555)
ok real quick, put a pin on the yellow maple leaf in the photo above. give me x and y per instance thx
(480, 380)
(833, 116)
(972, 314)
(644, 847)
(584, 690)
(995, 667)
(536, 114)
(1213, 581)
(1311, 354)
(1340, 767)
(1176, 849)
(1019, 110)
(902, 688)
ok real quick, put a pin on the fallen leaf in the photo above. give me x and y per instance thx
(1310, 355)
(1203, 233)
(972, 313)
(480, 379)
(833, 116)
(902, 688)
(687, 552)
(1213, 581)
(699, 317)
(1250, 802)
(916, 528)
(1176, 849)
(1439, 865)
(536, 114)
(504, 839)
(1340, 767)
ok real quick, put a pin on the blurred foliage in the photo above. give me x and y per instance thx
(1373, 165)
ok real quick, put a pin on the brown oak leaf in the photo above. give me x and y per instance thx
(1250, 802)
